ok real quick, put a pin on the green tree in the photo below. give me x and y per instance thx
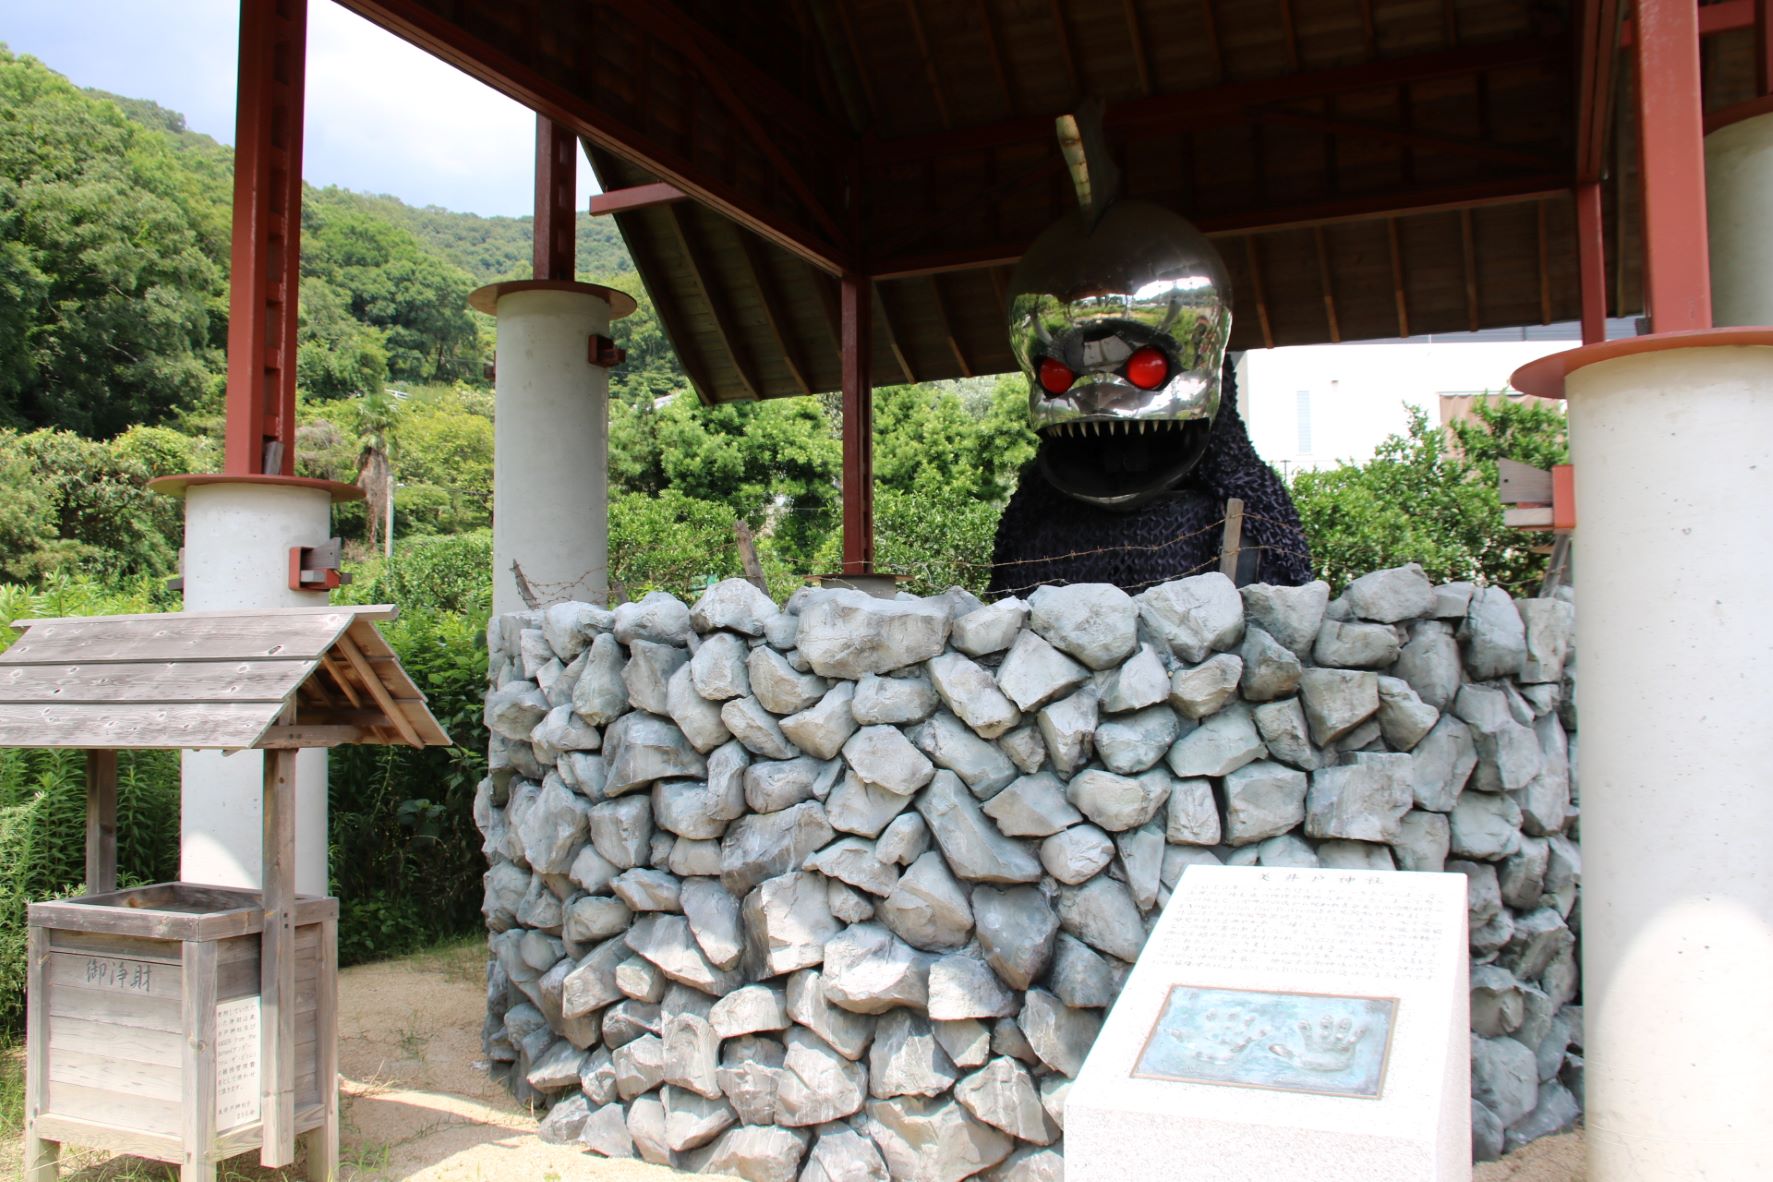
(78, 504)
(105, 290)
(1420, 499)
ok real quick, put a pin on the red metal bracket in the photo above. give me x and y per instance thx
(316, 568)
(605, 352)
(1563, 497)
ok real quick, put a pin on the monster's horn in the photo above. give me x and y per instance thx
(1094, 173)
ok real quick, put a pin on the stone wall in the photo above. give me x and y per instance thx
(842, 890)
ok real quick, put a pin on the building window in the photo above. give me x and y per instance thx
(1304, 405)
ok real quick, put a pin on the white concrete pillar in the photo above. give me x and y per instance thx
(550, 440)
(1739, 219)
(237, 539)
(1672, 441)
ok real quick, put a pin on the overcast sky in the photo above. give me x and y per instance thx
(382, 116)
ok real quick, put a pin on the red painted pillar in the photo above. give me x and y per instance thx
(266, 263)
(1591, 262)
(1672, 132)
(556, 179)
(858, 425)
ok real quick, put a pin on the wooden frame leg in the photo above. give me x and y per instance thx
(322, 1144)
(277, 963)
(198, 965)
(42, 1157)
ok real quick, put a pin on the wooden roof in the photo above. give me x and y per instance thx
(1369, 168)
(294, 677)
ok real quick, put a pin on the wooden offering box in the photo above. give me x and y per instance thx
(145, 1008)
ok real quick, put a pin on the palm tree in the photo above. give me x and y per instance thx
(378, 416)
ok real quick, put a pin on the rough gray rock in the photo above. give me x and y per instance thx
(1219, 746)
(640, 749)
(1068, 727)
(974, 848)
(817, 1084)
(1441, 764)
(841, 1154)
(1076, 854)
(1025, 747)
(966, 1041)
(928, 908)
(884, 757)
(605, 1132)
(1550, 626)
(570, 627)
(1095, 622)
(926, 1140)
(847, 903)
(733, 604)
(1029, 1164)
(692, 1053)
(773, 785)
(1034, 672)
(854, 861)
(757, 1154)
(868, 970)
(718, 670)
(1430, 662)
(1355, 646)
(554, 827)
(666, 940)
(1556, 1111)
(622, 831)
(695, 715)
(1292, 615)
(1192, 817)
(514, 709)
(847, 1033)
(989, 629)
(1103, 915)
(1262, 800)
(749, 1010)
(1131, 743)
(757, 729)
(1422, 843)
(779, 686)
(648, 673)
(1016, 929)
(657, 617)
(822, 728)
(1119, 802)
(1283, 729)
(963, 987)
(1404, 718)
(558, 1067)
(1002, 1094)
(1203, 689)
(1061, 1036)
(646, 889)
(714, 922)
(864, 809)
(1139, 683)
(787, 924)
(1359, 802)
(893, 701)
(594, 918)
(600, 696)
(1195, 616)
(1337, 700)
(1270, 669)
(1498, 1004)
(903, 841)
(1504, 1077)
(1286, 850)
(562, 730)
(1390, 596)
(906, 1059)
(1354, 855)
(969, 691)
(1495, 639)
(849, 633)
(1486, 1134)
(640, 1066)
(692, 1120)
(1033, 806)
(764, 845)
(1485, 826)
(1081, 977)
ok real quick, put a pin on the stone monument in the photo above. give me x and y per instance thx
(1286, 1024)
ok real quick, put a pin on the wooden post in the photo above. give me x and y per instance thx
(1233, 540)
(101, 822)
(322, 1142)
(748, 557)
(857, 310)
(277, 963)
(198, 966)
(41, 1157)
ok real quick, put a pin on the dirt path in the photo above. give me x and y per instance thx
(418, 1106)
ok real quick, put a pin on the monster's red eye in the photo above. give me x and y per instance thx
(1147, 368)
(1055, 376)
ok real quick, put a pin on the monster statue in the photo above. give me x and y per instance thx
(1120, 320)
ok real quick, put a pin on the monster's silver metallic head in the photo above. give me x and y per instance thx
(1121, 329)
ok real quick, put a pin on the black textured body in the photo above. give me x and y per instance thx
(1046, 537)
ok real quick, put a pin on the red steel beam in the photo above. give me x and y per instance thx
(259, 438)
(556, 199)
(417, 23)
(856, 298)
(637, 197)
(1671, 122)
(1598, 52)
(1366, 207)
(1591, 262)
(1726, 16)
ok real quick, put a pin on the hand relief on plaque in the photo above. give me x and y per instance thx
(1328, 1046)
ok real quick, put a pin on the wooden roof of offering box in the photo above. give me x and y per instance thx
(289, 677)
